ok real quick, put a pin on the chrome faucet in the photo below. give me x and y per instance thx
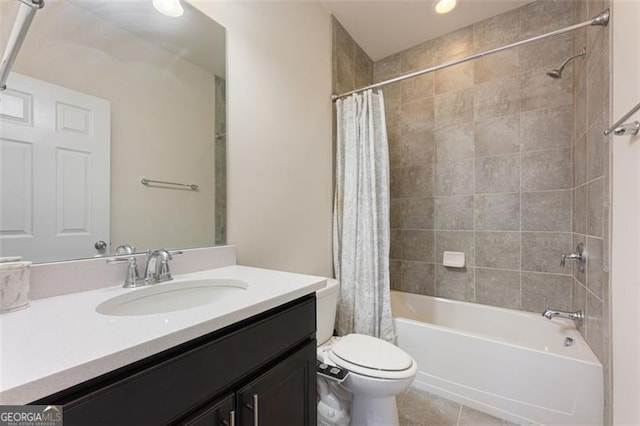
(577, 316)
(157, 269)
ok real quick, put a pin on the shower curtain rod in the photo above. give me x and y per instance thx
(26, 12)
(602, 19)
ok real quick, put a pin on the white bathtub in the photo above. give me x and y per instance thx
(507, 363)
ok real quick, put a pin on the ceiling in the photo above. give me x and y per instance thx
(194, 36)
(385, 27)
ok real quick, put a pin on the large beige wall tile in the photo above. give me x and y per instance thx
(546, 128)
(497, 98)
(540, 291)
(497, 136)
(497, 212)
(499, 288)
(541, 251)
(455, 283)
(498, 174)
(455, 143)
(454, 212)
(418, 277)
(498, 250)
(546, 211)
(546, 170)
(461, 241)
(412, 213)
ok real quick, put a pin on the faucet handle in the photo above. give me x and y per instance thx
(163, 254)
(117, 260)
(563, 260)
(150, 252)
(133, 276)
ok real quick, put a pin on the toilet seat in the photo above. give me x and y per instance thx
(372, 357)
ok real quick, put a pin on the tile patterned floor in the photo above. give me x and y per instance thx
(419, 408)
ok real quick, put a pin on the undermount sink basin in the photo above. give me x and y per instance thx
(169, 297)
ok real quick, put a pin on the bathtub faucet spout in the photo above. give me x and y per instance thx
(577, 316)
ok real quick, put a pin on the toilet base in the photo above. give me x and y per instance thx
(374, 411)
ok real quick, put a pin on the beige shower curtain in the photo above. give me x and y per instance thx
(361, 217)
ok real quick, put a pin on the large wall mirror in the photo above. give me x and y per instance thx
(103, 95)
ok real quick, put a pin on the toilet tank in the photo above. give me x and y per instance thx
(326, 304)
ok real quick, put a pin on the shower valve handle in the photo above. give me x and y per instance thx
(580, 256)
(572, 256)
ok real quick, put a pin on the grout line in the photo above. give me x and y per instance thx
(475, 186)
(600, 299)
(490, 193)
(589, 181)
(532, 151)
(514, 231)
(593, 124)
(520, 210)
(489, 268)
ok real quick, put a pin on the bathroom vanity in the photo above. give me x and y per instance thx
(245, 359)
(259, 371)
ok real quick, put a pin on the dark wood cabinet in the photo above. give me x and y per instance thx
(202, 382)
(284, 395)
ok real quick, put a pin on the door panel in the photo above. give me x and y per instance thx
(73, 192)
(16, 164)
(55, 159)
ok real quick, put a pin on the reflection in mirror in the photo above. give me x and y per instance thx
(104, 94)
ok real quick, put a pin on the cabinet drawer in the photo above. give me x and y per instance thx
(170, 389)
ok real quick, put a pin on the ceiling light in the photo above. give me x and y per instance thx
(171, 8)
(445, 6)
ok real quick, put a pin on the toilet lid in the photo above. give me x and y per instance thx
(371, 353)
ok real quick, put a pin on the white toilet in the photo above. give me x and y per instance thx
(378, 370)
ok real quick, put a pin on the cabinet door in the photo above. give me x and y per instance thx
(285, 395)
(218, 413)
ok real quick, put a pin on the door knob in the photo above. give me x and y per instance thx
(100, 245)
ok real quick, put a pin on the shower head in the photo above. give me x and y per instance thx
(557, 72)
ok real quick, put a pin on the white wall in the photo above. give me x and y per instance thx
(625, 272)
(280, 161)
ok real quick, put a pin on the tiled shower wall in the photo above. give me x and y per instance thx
(220, 143)
(352, 67)
(481, 163)
(495, 159)
(591, 201)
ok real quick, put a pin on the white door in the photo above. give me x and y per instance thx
(54, 171)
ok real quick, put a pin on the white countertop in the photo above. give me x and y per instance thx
(62, 341)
